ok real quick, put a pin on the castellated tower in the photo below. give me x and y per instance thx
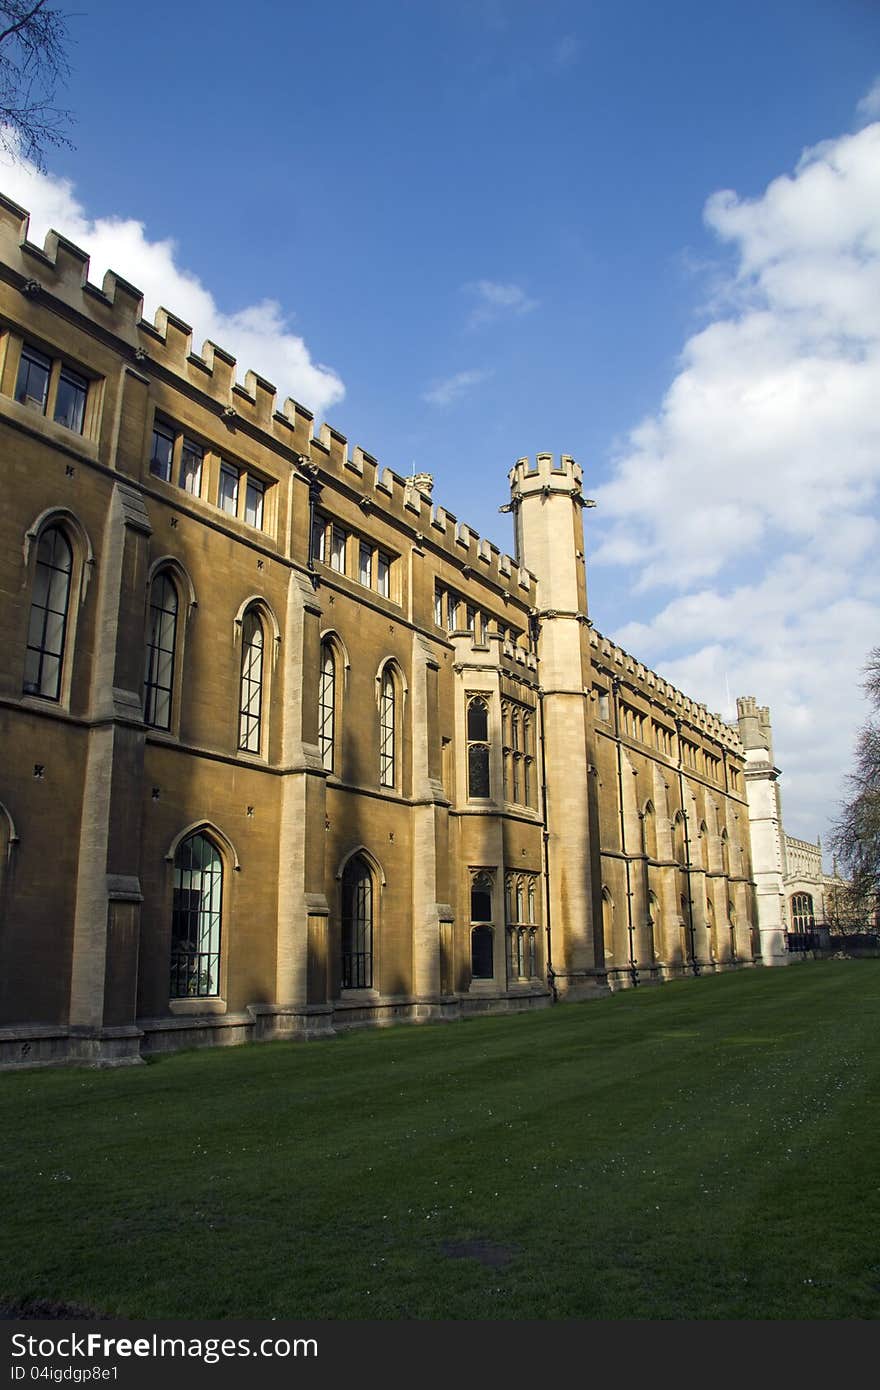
(547, 501)
(765, 826)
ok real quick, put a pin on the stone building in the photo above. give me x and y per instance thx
(286, 748)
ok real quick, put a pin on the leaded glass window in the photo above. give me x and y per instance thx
(357, 925)
(478, 747)
(387, 731)
(196, 917)
(251, 704)
(161, 643)
(47, 624)
(482, 967)
(327, 706)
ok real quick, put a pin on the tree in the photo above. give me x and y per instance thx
(856, 834)
(33, 62)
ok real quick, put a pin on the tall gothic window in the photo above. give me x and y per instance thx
(482, 964)
(195, 922)
(357, 925)
(161, 643)
(250, 717)
(388, 730)
(478, 747)
(47, 626)
(522, 931)
(327, 706)
(802, 912)
(518, 754)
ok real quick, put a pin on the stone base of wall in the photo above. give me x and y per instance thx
(35, 1045)
(194, 1030)
(475, 1005)
(40, 1045)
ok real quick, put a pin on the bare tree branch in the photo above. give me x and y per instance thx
(855, 837)
(33, 64)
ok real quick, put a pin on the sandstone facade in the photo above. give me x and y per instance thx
(286, 748)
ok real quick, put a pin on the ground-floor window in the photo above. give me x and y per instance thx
(802, 918)
(520, 898)
(482, 934)
(357, 925)
(196, 917)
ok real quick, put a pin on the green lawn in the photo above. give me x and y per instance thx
(708, 1149)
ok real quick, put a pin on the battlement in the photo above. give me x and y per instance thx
(754, 725)
(59, 270)
(748, 707)
(620, 663)
(545, 474)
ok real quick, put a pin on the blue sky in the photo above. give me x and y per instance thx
(467, 230)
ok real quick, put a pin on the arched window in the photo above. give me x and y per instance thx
(802, 912)
(731, 917)
(725, 853)
(522, 936)
(250, 717)
(327, 706)
(196, 919)
(482, 962)
(357, 925)
(388, 730)
(528, 758)
(47, 626)
(478, 747)
(161, 646)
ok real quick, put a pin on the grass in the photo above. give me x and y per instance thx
(708, 1149)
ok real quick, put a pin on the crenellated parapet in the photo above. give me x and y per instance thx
(546, 473)
(58, 271)
(641, 678)
(415, 509)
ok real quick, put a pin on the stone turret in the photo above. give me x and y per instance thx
(546, 500)
(765, 827)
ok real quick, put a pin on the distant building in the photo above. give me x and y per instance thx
(286, 748)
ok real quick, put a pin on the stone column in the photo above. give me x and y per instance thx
(547, 502)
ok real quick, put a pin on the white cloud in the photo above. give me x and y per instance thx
(444, 392)
(258, 335)
(752, 491)
(869, 105)
(496, 300)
